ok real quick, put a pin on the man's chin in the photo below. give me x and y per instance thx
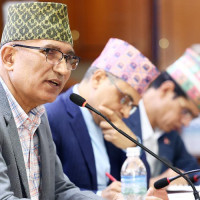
(166, 129)
(96, 118)
(179, 130)
(49, 100)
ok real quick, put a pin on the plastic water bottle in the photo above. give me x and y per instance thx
(133, 176)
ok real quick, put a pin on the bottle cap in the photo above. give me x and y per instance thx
(133, 151)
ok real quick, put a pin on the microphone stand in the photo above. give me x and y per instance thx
(195, 192)
(188, 172)
(163, 182)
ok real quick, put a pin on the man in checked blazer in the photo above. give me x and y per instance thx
(33, 71)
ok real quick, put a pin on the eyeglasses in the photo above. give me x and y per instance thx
(125, 99)
(54, 56)
(187, 113)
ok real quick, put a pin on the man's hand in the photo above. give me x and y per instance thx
(169, 173)
(112, 191)
(153, 194)
(110, 134)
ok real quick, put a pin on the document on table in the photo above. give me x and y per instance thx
(181, 188)
(181, 196)
(177, 192)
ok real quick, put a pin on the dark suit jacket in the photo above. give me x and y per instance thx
(13, 178)
(131, 122)
(74, 146)
(171, 146)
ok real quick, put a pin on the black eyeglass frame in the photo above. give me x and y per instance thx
(124, 96)
(67, 57)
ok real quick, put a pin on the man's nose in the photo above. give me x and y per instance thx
(125, 111)
(62, 68)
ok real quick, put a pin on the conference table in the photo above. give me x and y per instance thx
(177, 192)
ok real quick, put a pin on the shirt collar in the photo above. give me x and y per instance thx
(83, 109)
(147, 130)
(19, 114)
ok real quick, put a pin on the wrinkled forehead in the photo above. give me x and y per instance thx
(45, 43)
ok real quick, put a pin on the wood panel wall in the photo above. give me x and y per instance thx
(97, 21)
(1, 17)
(175, 22)
(179, 23)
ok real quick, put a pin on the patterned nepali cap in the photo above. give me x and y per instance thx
(37, 20)
(186, 72)
(127, 63)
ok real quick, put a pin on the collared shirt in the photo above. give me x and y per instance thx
(100, 153)
(150, 137)
(26, 126)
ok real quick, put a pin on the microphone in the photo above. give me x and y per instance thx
(166, 181)
(194, 178)
(80, 101)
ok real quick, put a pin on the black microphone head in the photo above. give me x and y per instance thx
(161, 183)
(77, 99)
(194, 178)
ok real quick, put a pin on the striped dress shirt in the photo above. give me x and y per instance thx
(27, 125)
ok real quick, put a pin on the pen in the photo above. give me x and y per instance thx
(110, 177)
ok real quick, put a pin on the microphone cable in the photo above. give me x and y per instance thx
(80, 101)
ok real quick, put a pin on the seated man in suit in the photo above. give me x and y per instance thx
(113, 84)
(33, 71)
(171, 102)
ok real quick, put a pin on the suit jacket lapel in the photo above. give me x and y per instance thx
(14, 138)
(137, 123)
(80, 131)
(134, 124)
(44, 160)
(19, 158)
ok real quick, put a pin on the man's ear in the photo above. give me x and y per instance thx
(167, 86)
(7, 57)
(97, 78)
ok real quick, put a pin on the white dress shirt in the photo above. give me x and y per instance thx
(150, 138)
